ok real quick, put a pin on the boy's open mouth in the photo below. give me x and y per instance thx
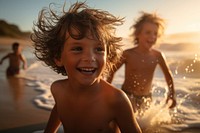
(87, 70)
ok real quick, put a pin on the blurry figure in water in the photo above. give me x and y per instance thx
(81, 44)
(15, 59)
(141, 61)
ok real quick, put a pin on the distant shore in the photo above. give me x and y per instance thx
(9, 41)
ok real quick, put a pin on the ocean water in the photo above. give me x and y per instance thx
(185, 66)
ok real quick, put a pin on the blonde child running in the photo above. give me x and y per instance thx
(81, 44)
(141, 61)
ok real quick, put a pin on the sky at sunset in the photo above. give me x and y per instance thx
(180, 15)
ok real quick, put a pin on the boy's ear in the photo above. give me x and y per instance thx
(58, 62)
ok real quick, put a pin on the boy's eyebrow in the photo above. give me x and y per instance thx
(78, 42)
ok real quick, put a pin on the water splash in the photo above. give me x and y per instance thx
(187, 68)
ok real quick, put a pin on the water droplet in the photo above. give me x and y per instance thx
(176, 72)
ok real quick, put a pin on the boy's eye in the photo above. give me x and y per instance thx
(100, 49)
(77, 49)
(148, 32)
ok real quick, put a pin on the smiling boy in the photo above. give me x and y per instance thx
(81, 44)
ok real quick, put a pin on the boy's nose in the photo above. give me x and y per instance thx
(89, 57)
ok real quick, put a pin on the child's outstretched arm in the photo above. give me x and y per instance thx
(169, 80)
(115, 68)
(3, 58)
(53, 123)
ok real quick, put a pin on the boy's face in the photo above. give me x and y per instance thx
(84, 60)
(148, 35)
(17, 49)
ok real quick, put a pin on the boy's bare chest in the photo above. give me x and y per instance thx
(142, 63)
(84, 115)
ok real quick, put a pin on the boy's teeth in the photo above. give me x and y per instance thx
(87, 69)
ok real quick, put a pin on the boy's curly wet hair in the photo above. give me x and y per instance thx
(49, 33)
(147, 18)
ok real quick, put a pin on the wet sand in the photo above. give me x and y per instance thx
(18, 114)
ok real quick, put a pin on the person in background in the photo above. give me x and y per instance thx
(81, 44)
(15, 59)
(141, 61)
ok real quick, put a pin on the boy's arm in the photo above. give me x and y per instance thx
(115, 68)
(53, 123)
(169, 80)
(2, 59)
(23, 59)
(125, 117)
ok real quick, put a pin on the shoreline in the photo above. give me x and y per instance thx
(18, 111)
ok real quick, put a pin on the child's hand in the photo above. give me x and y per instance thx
(171, 102)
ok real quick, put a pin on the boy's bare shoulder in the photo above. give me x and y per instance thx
(10, 54)
(109, 87)
(156, 52)
(58, 84)
(129, 51)
(115, 94)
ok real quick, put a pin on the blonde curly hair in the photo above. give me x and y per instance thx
(144, 18)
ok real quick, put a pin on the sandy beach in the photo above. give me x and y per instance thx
(18, 113)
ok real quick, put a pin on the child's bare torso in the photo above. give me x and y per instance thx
(14, 60)
(86, 113)
(86, 118)
(14, 64)
(139, 72)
